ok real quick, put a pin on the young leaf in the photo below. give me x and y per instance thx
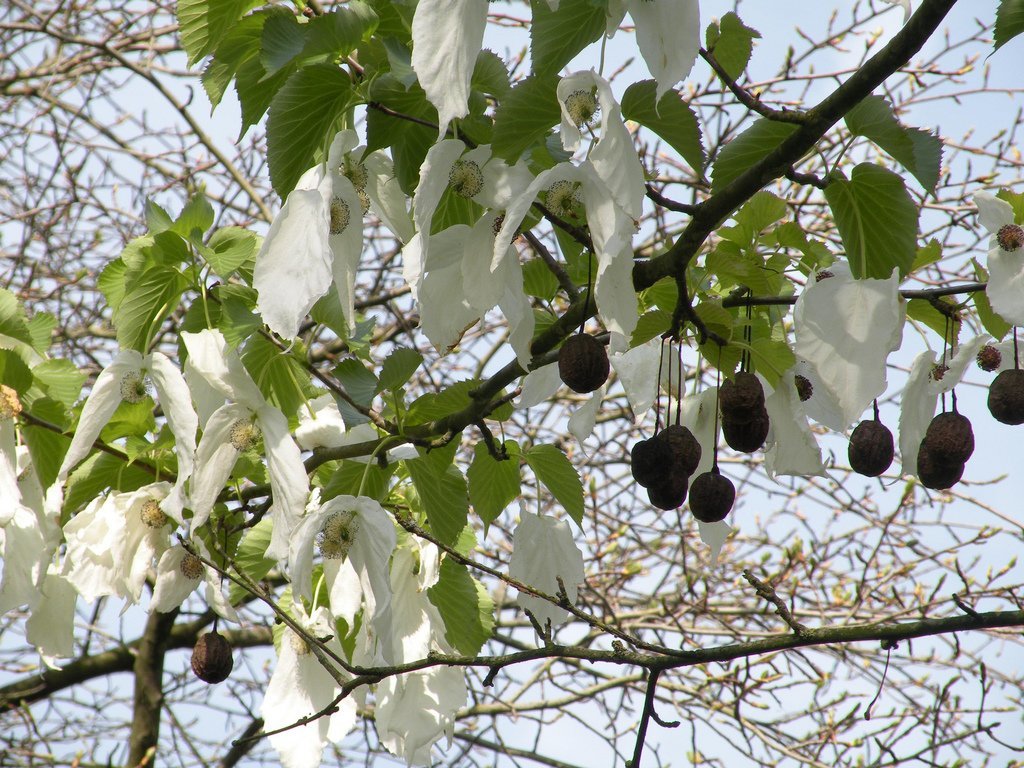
(147, 301)
(557, 473)
(195, 218)
(877, 220)
(731, 42)
(229, 248)
(303, 115)
(671, 118)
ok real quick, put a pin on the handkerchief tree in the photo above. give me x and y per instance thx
(563, 382)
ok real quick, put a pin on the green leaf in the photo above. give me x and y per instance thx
(47, 448)
(538, 280)
(465, 606)
(493, 484)
(14, 372)
(147, 302)
(229, 248)
(772, 357)
(359, 479)
(743, 152)
(303, 116)
(280, 376)
(1016, 201)
(61, 379)
(557, 36)
(40, 328)
(1009, 22)
(923, 311)
(731, 42)
(990, 321)
(283, 39)
(877, 220)
(196, 217)
(649, 325)
(202, 23)
(757, 214)
(238, 46)
(336, 34)
(360, 384)
(237, 320)
(98, 473)
(525, 116)
(554, 469)
(12, 318)
(157, 219)
(927, 254)
(442, 489)
(671, 118)
(398, 368)
(490, 75)
(919, 151)
(437, 405)
(250, 559)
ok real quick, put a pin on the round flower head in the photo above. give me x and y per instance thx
(582, 106)
(244, 435)
(151, 514)
(1010, 237)
(10, 405)
(465, 178)
(337, 534)
(340, 216)
(563, 198)
(133, 387)
(355, 172)
(191, 567)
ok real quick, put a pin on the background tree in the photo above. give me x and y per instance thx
(846, 622)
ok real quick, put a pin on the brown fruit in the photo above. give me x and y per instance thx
(684, 448)
(746, 437)
(711, 496)
(583, 363)
(1006, 397)
(934, 474)
(742, 397)
(871, 448)
(670, 493)
(211, 658)
(651, 460)
(950, 438)
(989, 358)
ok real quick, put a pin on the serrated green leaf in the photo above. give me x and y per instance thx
(195, 218)
(525, 116)
(61, 379)
(237, 319)
(336, 34)
(229, 248)
(98, 473)
(356, 478)
(538, 280)
(929, 253)
(202, 23)
(1016, 201)
(280, 376)
(734, 266)
(493, 484)
(1009, 22)
(147, 301)
(650, 324)
(443, 491)
(14, 372)
(559, 476)
(157, 219)
(772, 357)
(238, 46)
(757, 214)
(465, 606)
(993, 324)
(303, 116)
(743, 152)
(919, 151)
(360, 384)
(671, 118)
(398, 368)
(47, 448)
(283, 40)
(557, 36)
(12, 318)
(490, 75)
(877, 220)
(40, 328)
(731, 42)
(924, 312)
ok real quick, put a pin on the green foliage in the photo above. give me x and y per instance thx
(525, 116)
(442, 489)
(740, 154)
(147, 301)
(250, 559)
(304, 116)
(557, 36)
(203, 23)
(731, 42)
(465, 606)
(877, 220)
(920, 152)
(1009, 21)
(559, 476)
(493, 484)
(398, 368)
(671, 118)
(229, 249)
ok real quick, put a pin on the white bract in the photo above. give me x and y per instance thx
(300, 687)
(790, 448)
(921, 394)
(446, 38)
(1005, 288)
(317, 236)
(846, 329)
(179, 573)
(667, 33)
(237, 426)
(567, 187)
(124, 380)
(905, 4)
(543, 551)
(354, 536)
